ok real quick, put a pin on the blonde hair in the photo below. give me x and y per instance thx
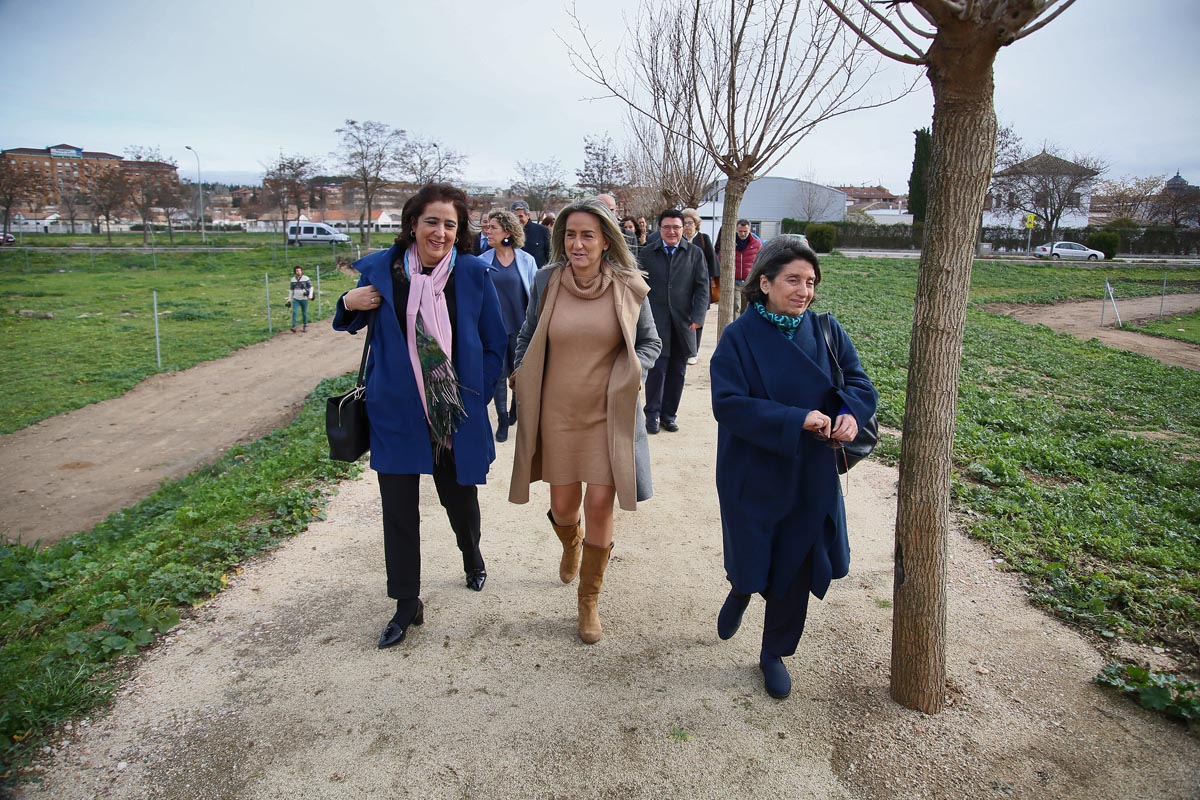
(693, 215)
(510, 224)
(618, 255)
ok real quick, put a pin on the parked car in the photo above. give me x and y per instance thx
(307, 232)
(8, 238)
(1067, 250)
(800, 237)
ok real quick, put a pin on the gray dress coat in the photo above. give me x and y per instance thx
(678, 290)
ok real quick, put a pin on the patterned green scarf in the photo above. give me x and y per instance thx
(787, 325)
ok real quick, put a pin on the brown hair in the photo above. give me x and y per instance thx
(772, 258)
(464, 239)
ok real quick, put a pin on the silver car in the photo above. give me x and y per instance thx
(1067, 250)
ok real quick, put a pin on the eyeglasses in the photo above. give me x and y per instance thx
(671, 227)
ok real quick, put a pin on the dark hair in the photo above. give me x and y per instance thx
(670, 212)
(623, 220)
(745, 222)
(464, 239)
(772, 258)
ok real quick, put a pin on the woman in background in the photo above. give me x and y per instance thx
(511, 270)
(692, 232)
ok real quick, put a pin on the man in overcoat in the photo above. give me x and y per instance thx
(678, 278)
(537, 237)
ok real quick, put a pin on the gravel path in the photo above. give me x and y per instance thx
(275, 690)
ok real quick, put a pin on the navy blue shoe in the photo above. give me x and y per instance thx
(730, 618)
(776, 679)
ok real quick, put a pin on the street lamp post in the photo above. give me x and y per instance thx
(438, 175)
(200, 186)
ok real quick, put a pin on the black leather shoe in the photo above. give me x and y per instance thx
(476, 578)
(394, 633)
(730, 617)
(651, 426)
(670, 425)
(512, 412)
(776, 679)
(502, 434)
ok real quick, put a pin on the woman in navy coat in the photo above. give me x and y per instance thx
(779, 418)
(436, 353)
(511, 270)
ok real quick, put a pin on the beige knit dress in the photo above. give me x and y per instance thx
(583, 342)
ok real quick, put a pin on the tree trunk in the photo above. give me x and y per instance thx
(964, 135)
(735, 190)
(365, 233)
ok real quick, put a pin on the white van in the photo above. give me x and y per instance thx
(304, 232)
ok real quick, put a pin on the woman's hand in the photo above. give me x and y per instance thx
(362, 298)
(817, 423)
(845, 429)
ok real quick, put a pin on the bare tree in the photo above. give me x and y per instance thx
(677, 166)
(603, 169)
(1130, 197)
(1045, 184)
(73, 199)
(1178, 203)
(146, 176)
(956, 42)
(431, 161)
(172, 198)
(540, 183)
(17, 187)
(811, 205)
(285, 184)
(109, 195)
(758, 76)
(371, 152)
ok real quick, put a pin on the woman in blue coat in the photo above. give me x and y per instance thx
(779, 419)
(511, 270)
(436, 353)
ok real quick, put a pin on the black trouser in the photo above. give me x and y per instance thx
(783, 624)
(400, 497)
(501, 396)
(664, 384)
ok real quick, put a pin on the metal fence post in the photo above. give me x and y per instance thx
(267, 284)
(157, 341)
(1162, 300)
(318, 291)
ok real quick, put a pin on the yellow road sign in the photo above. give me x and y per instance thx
(1030, 221)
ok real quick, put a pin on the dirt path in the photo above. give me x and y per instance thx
(1083, 321)
(275, 689)
(67, 473)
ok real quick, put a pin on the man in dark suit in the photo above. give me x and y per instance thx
(537, 238)
(678, 277)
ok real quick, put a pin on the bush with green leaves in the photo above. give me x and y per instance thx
(1106, 242)
(821, 237)
(1157, 691)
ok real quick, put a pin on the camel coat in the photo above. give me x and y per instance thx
(628, 446)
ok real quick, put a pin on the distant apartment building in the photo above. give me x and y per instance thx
(63, 165)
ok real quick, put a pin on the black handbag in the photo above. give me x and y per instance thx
(346, 415)
(868, 433)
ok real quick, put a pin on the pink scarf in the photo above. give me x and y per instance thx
(425, 295)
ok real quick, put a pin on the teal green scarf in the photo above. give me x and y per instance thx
(787, 325)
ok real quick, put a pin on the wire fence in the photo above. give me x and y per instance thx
(1128, 300)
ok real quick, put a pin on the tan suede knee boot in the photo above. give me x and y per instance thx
(591, 578)
(571, 537)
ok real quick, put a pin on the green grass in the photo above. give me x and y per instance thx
(215, 239)
(1079, 464)
(1185, 327)
(69, 611)
(100, 342)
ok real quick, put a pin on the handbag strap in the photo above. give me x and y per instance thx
(823, 321)
(362, 365)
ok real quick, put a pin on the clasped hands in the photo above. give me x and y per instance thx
(845, 429)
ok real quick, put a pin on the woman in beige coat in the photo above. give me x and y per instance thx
(582, 356)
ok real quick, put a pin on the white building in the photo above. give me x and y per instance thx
(768, 201)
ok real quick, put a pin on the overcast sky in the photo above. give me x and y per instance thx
(241, 80)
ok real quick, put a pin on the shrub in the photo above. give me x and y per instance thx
(1105, 241)
(821, 237)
